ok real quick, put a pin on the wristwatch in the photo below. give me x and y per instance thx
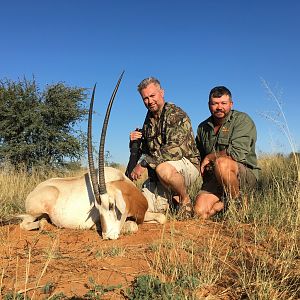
(144, 164)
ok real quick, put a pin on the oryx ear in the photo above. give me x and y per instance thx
(120, 203)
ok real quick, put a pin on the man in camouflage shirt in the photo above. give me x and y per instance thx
(226, 142)
(168, 150)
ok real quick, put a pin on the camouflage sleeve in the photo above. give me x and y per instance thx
(178, 130)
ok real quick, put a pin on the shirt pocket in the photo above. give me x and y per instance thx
(222, 143)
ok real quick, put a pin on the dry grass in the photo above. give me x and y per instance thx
(16, 185)
(262, 254)
(251, 252)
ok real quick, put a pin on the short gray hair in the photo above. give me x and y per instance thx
(145, 82)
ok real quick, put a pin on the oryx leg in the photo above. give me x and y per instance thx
(30, 222)
(151, 217)
(129, 227)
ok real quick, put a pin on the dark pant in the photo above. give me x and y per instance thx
(247, 181)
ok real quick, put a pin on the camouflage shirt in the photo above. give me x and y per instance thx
(237, 136)
(168, 138)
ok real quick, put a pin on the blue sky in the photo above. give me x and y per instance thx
(191, 46)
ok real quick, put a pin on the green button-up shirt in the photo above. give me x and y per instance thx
(237, 136)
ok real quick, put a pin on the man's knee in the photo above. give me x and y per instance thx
(223, 163)
(165, 170)
(225, 167)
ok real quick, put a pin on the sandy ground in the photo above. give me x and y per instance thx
(65, 260)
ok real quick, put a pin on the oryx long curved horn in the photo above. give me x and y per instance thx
(92, 170)
(102, 186)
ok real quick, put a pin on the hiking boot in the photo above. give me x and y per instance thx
(186, 211)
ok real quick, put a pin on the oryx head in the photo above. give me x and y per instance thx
(111, 205)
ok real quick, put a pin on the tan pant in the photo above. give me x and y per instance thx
(158, 196)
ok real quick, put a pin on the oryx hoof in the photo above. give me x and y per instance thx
(129, 227)
(30, 225)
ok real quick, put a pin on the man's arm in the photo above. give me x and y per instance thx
(209, 158)
(242, 138)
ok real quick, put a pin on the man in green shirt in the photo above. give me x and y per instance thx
(168, 151)
(226, 142)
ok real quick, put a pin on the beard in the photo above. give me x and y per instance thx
(220, 115)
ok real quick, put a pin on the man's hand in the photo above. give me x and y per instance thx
(137, 172)
(135, 135)
(209, 158)
(205, 162)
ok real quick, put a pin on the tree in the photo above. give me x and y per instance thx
(37, 128)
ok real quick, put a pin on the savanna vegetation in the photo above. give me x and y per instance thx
(37, 126)
(253, 253)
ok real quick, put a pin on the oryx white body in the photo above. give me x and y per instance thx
(69, 203)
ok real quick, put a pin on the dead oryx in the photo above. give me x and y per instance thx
(83, 202)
